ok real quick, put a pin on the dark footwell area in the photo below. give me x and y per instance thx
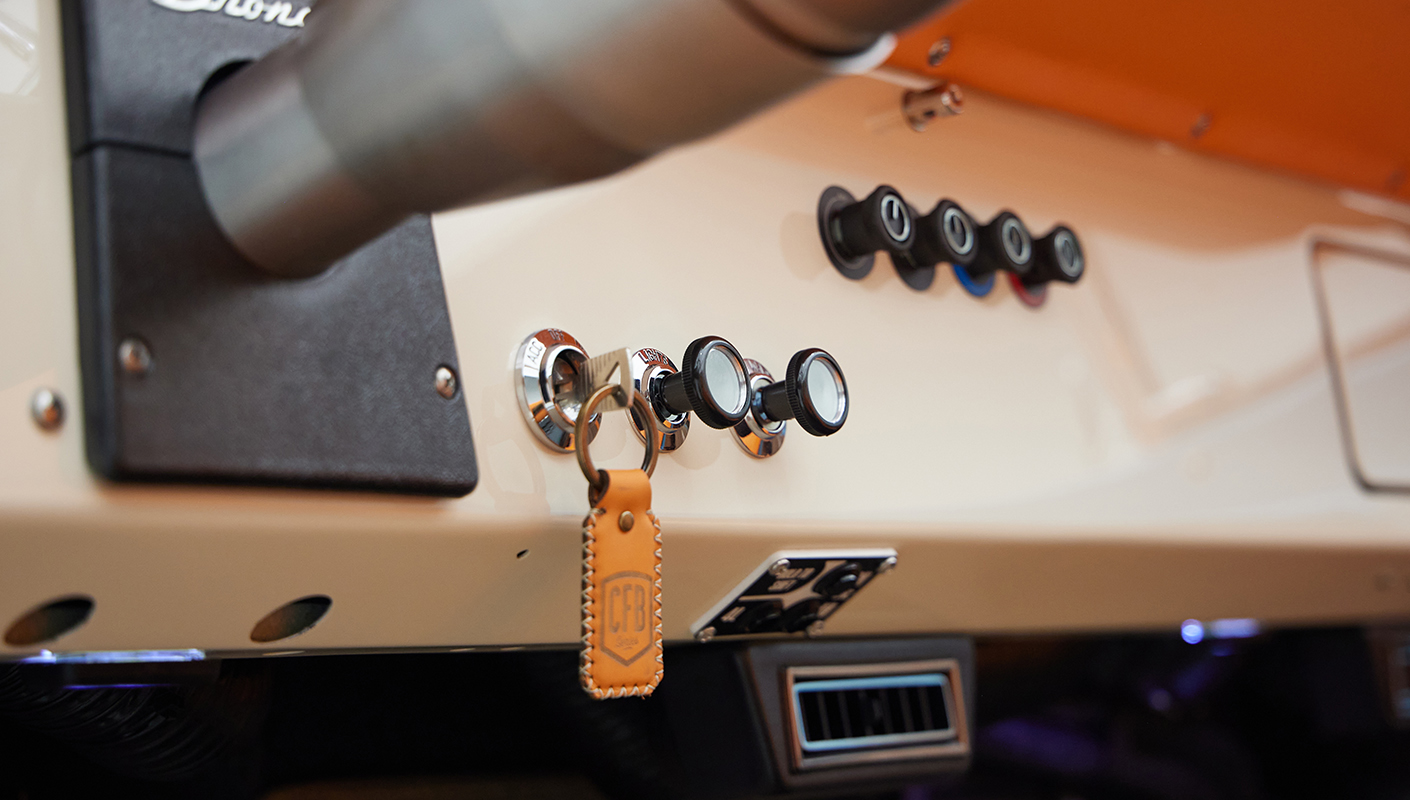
(1289, 714)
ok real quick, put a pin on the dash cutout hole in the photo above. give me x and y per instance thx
(291, 619)
(521, 554)
(50, 621)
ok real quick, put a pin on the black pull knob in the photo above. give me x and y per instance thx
(1056, 257)
(712, 383)
(853, 231)
(813, 391)
(1004, 244)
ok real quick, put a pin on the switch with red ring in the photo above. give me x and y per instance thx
(1057, 256)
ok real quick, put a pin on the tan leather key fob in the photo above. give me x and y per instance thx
(622, 652)
(621, 648)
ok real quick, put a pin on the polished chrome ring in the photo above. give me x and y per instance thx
(1018, 243)
(596, 477)
(649, 367)
(551, 410)
(755, 438)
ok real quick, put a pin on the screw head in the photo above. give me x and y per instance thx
(446, 382)
(626, 521)
(778, 568)
(937, 52)
(47, 408)
(1201, 126)
(135, 356)
(886, 566)
(704, 635)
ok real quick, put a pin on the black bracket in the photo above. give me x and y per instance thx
(196, 365)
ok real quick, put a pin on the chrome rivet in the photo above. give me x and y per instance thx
(937, 52)
(135, 356)
(47, 408)
(704, 635)
(779, 568)
(626, 521)
(446, 382)
(886, 566)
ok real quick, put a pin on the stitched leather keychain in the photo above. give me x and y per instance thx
(621, 644)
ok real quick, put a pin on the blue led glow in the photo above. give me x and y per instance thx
(1192, 631)
(1233, 628)
(117, 657)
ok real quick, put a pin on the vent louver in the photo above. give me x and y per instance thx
(874, 712)
(893, 713)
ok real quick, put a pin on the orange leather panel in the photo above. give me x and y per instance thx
(1314, 87)
(621, 655)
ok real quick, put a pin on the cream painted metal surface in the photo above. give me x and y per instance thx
(1159, 442)
(1366, 297)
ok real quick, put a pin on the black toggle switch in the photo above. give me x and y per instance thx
(1004, 244)
(801, 615)
(712, 383)
(765, 617)
(948, 234)
(839, 581)
(1056, 257)
(853, 231)
(813, 392)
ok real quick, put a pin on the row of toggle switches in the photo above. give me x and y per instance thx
(853, 231)
(714, 384)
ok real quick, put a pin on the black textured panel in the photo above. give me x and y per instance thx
(135, 68)
(327, 381)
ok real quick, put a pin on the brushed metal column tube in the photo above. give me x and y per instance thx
(381, 110)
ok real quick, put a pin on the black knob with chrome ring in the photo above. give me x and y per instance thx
(948, 235)
(1056, 257)
(853, 231)
(712, 383)
(813, 392)
(1004, 244)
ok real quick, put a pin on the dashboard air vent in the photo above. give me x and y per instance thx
(876, 712)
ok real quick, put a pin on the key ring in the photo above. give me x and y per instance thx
(596, 478)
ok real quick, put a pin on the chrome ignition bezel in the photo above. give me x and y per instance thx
(550, 421)
(649, 367)
(759, 441)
